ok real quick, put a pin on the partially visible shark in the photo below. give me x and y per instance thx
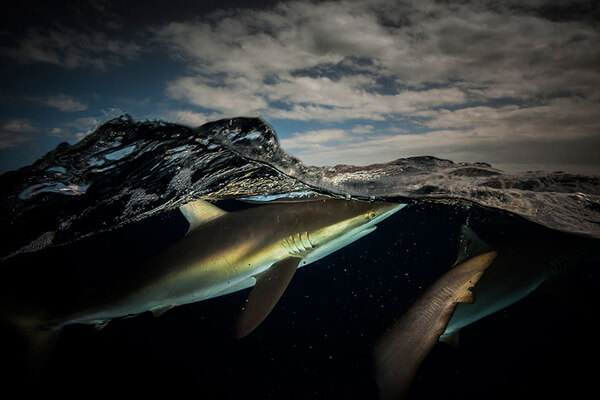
(401, 350)
(482, 281)
(223, 252)
(520, 268)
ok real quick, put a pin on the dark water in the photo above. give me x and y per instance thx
(83, 216)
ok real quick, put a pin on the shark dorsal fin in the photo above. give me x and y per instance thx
(469, 245)
(269, 287)
(199, 212)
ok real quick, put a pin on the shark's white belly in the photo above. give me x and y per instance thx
(162, 296)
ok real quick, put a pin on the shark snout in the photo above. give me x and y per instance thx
(388, 209)
(383, 211)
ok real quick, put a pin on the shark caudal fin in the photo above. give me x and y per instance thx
(200, 212)
(28, 348)
(400, 352)
(39, 346)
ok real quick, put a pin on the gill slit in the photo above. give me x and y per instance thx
(310, 241)
(298, 243)
(306, 241)
(287, 246)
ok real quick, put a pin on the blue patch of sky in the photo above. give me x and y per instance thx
(12, 158)
(129, 84)
(136, 88)
(285, 128)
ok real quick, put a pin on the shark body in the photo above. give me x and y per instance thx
(520, 268)
(402, 348)
(224, 252)
(482, 281)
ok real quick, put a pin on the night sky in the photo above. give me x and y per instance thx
(514, 83)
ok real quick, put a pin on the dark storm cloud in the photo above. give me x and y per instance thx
(559, 11)
(69, 48)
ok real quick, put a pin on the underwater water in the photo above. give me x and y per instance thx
(85, 217)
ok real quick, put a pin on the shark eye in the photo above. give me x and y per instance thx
(372, 215)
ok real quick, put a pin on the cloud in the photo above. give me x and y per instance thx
(78, 128)
(15, 131)
(63, 102)
(362, 129)
(58, 132)
(471, 78)
(511, 154)
(510, 137)
(264, 62)
(453, 79)
(315, 139)
(276, 61)
(84, 126)
(192, 118)
(71, 48)
(308, 98)
(236, 98)
(9, 139)
(560, 118)
(19, 125)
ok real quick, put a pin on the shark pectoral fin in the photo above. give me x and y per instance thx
(469, 245)
(269, 287)
(400, 352)
(199, 212)
(157, 312)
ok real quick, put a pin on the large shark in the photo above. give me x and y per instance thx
(223, 252)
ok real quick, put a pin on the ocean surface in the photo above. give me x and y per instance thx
(85, 216)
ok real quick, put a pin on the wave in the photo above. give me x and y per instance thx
(128, 170)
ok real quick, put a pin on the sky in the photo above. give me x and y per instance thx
(514, 83)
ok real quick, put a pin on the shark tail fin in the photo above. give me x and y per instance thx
(403, 348)
(469, 245)
(39, 347)
(199, 212)
(30, 346)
